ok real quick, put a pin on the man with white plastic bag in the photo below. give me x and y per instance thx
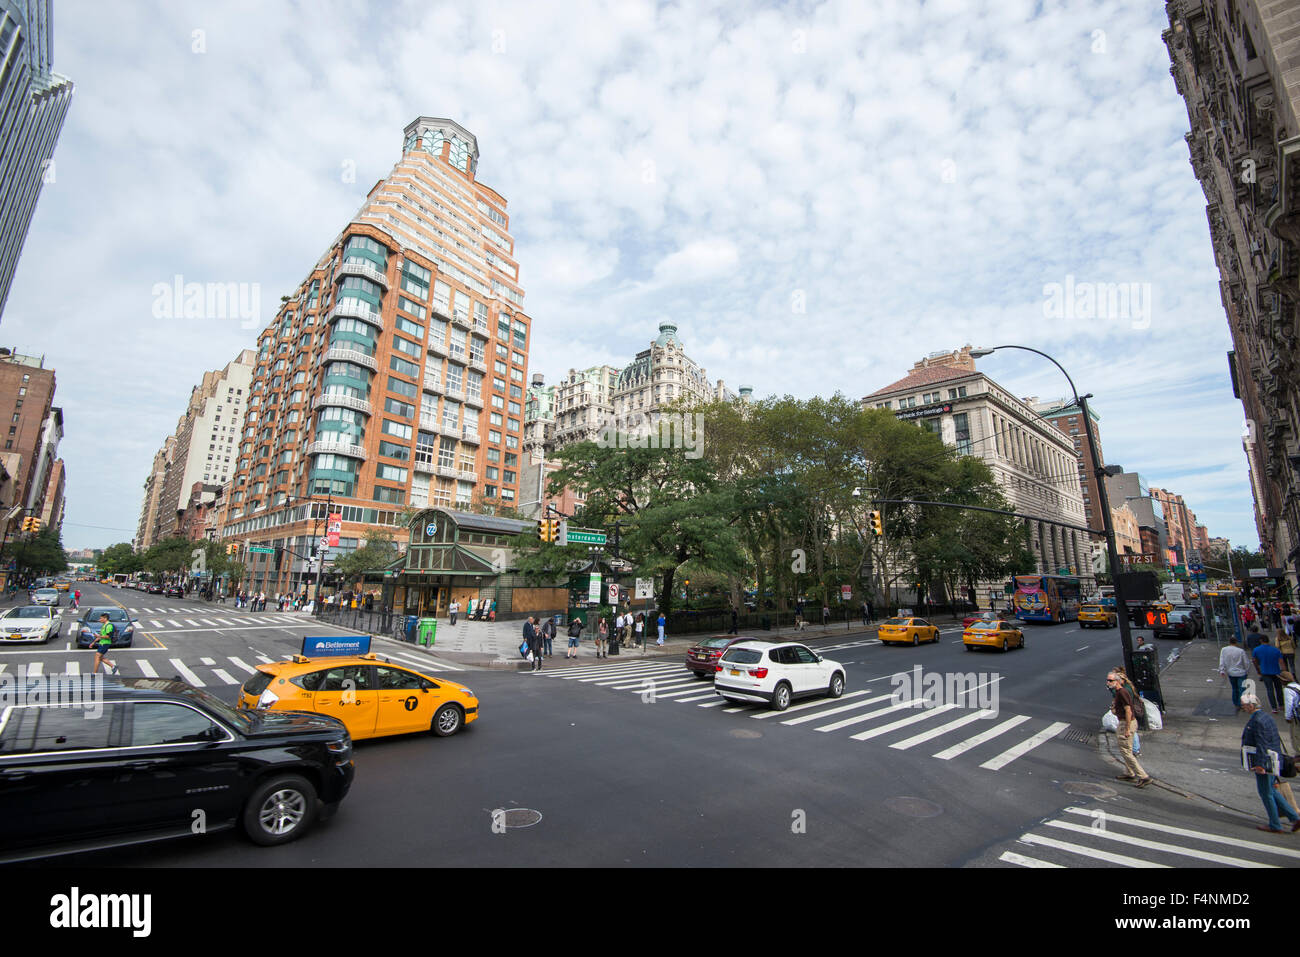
(1125, 711)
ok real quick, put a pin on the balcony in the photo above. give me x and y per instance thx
(344, 401)
(442, 308)
(462, 320)
(446, 471)
(478, 363)
(364, 269)
(432, 381)
(451, 432)
(471, 437)
(326, 447)
(355, 309)
(437, 348)
(475, 399)
(467, 475)
(339, 354)
(430, 423)
(455, 394)
(423, 465)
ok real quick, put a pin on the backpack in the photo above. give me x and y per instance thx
(575, 628)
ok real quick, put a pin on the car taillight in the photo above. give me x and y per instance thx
(715, 654)
(717, 667)
(758, 672)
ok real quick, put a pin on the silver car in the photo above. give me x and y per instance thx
(46, 596)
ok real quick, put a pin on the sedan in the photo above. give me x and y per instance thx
(704, 654)
(45, 596)
(1180, 625)
(29, 623)
(154, 589)
(910, 631)
(173, 591)
(993, 634)
(123, 627)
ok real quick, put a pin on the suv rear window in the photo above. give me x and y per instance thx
(743, 656)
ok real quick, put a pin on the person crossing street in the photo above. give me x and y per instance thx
(103, 642)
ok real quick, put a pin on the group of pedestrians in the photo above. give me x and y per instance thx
(610, 634)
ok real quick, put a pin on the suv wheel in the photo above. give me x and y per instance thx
(781, 697)
(447, 721)
(837, 685)
(280, 810)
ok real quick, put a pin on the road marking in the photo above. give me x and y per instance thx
(1025, 746)
(698, 698)
(1012, 858)
(1109, 835)
(155, 623)
(665, 684)
(146, 669)
(805, 707)
(71, 668)
(185, 673)
(35, 669)
(942, 729)
(240, 664)
(207, 661)
(265, 660)
(979, 739)
(173, 622)
(224, 676)
(617, 674)
(902, 723)
(1187, 832)
(840, 710)
(713, 704)
(1089, 852)
(860, 719)
(1084, 648)
(208, 621)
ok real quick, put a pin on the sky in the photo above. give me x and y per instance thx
(816, 194)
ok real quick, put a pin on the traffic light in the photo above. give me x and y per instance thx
(27, 524)
(31, 525)
(232, 548)
(546, 529)
(877, 526)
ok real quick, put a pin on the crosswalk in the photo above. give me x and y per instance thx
(870, 714)
(201, 672)
(1096, 837)
(158, 620)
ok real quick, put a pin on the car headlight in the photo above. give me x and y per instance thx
(267, 699)
(467, 693)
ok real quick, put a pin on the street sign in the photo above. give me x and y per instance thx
(846, 592)
(586, 537)
(613, 593)
(645, 587)
(261, 549)
(593, 588)
(325, 542)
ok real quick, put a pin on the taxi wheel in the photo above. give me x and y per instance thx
(1005, 645)
(447, 721)
(969, 647)
(916, 639)
(280, 810)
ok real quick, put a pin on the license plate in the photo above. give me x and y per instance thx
(15, 637)
(734, 671)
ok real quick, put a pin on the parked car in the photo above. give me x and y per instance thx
(159, 751)
(89, 625)
(1180, 625)
(775, 673)
(29, 623)
(154, 589)
(173, 591)
(702, 657)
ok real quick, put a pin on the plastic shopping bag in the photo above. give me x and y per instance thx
(1109, 722)
(1154, 721)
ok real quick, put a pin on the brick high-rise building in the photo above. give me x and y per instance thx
(33, 103)
(1237, 65)
(31, 429)
(1067, 417)
(394, 376)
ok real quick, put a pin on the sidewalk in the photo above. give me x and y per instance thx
(495, 644)
(1198, 754)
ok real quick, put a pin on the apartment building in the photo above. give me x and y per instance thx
(1237, 65)
(32, 428)
(393, 378)
(1131, 489)
(584, 401)
(1068, 418)
(658, 376)
(33, 103)
(1034, 464)
(1181, 522)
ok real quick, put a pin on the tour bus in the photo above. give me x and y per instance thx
(1048, 598)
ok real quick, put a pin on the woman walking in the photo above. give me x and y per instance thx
(640, 630)
(602, 639)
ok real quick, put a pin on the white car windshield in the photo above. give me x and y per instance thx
(28, 611)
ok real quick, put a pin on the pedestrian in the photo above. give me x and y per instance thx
(620, 623)
(1291, 708)
(798, 610)
(871, 610)
(453, 610)
(1268, 665)
(735, 622)
(602, 639)
(102, 643)
(533, 635)
(1252, 637)
(1286, 645)
(1233, 665)
(864, 614)
(1125, 710)
(1261, 750)
(640, 630)
(574, 637)
(548, 635)
(76, 598)
(826, 616)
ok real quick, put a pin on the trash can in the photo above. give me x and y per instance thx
(409, 631)
(1146, 673)
(428, 628)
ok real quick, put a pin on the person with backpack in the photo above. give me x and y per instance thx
(1261, 753)
(102, 643)
(1124, 707)
(575, 633)
(1291, 708)
(76, 599)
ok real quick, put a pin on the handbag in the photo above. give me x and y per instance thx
(1286, 768)
(524, 653)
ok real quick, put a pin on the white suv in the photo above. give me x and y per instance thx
(776, 673)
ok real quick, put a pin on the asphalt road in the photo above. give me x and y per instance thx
(633, 762)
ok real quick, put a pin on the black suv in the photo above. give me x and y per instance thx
(149, 759)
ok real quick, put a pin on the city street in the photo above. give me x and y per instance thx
(635, 762)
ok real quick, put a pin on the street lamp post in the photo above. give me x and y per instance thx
(1125, 637)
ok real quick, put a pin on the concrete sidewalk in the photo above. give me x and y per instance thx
(1198, 754)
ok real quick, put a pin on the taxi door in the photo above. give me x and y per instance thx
(347, 692)
(407, 701)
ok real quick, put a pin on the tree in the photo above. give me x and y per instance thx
(171, 556)
(379, 551)
(41, 553)
(119, 559)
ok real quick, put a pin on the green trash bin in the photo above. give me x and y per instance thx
(427, 629)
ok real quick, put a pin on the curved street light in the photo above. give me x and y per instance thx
(1103, 501)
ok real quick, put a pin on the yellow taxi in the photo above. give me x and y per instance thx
(62, 585)
(992, 634)
(372, 696)
(907, 631)
(1095, 616)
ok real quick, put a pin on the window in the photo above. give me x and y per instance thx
(55, 729)
(410, 328)
(391, 450)
(402, 388)
(397, 429)
(404, 367)
(407, 346)
(398, 407)
(390, 473)
(411, 306)
(157, 723)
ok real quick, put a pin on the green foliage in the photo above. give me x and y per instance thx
(119, 559)
(41, 553)
(379, 551)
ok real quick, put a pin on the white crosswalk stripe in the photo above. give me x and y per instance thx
(884, 716)
(185, 673)
(242, 665)
(225, 676)
(1083, 835)
(146, 669)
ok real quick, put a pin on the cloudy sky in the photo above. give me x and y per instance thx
(816, 194)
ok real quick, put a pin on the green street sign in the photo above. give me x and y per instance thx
(586, 538)
(261, 549)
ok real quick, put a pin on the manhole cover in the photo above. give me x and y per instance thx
(515, 817)
(746, 733)
(913, 807)
(1088, 789)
